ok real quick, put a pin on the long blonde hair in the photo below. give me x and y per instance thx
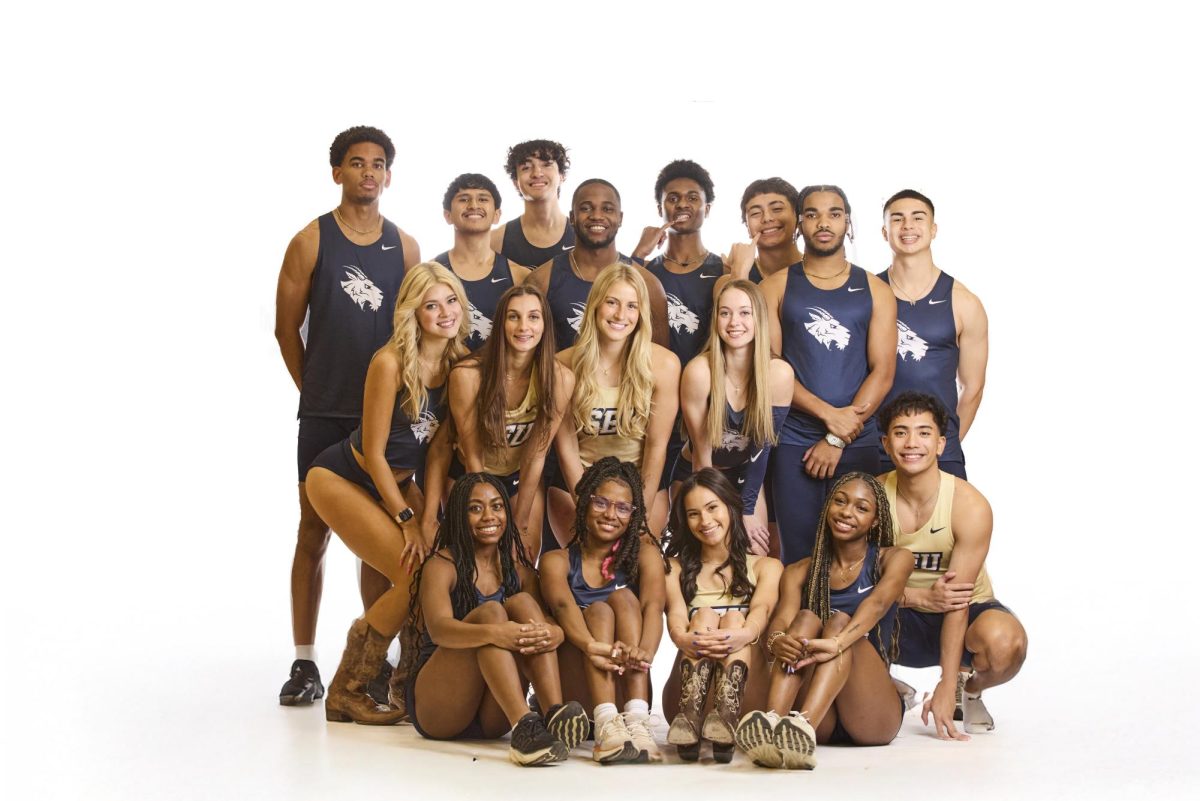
(406, 334)
(637, 379)
(757, 424)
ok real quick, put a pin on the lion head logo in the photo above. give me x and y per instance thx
(909, 342)
(734, 441)
(827, 330)
(576, 319)
(425, 426)
(361, 290)
(480, 325)
(680, 317)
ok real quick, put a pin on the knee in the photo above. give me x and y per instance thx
(523, 607)
(312, 535)
(489, 612)
(704, 618)
(598, 614)
(1005, 651)
(806, 621)
(623, 601)
(835, 625)
(733, 619)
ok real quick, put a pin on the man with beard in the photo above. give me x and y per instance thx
(770, 211)
(341, 272)
(567, 278)
(835, 324)
(537, 169)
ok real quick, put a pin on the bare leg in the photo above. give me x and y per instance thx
(998, 641)
(562, 514)
(308, 571)
(781, 695)
(627, 612)
(659, 511)
(542, 669)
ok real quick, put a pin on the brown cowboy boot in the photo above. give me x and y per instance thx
(722, 719)
(397, 687)
(347, 698)
(694, 679)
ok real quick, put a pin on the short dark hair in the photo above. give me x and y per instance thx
(812, 190)
(911, 194)
(684, 168)
(591, 181)
(775, 186)
(911, 403)
(353, 136)
(470, 180)
(546, 149)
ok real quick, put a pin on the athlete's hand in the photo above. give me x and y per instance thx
(414, 550)
(788, 649)
(631, 657)
(542, 644)
(720, 643)
(740, 258)
(684, 643)
(760, 537)
(603, 656)
(514, 636)
(845, 422)
(947, 595)
(821, 460)
(941, 706)
(817, 651)
(653, 237)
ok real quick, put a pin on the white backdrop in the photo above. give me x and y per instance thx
(159, 161)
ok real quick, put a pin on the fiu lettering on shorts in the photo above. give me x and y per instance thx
(927, 354)
(350, 305)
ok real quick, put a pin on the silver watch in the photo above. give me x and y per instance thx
(835, 440)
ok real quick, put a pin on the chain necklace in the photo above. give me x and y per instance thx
(337, 213)
(838, 274)
(687, 262)
(904, 295)
(845, 570)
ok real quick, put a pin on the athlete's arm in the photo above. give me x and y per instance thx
(464, 399)
(766, 592)
(786, 647)
(659, 323)
(291, 297)
(497, 241)
(652, 593)
(557, 592)
(379, 400)
(881, 350)
(677, 612)
(533, 462)
(694, 387)
(664, 404)
(972, 354)
(530, 585)
(437, 580)
(437, 475)
(740, 259)
(566, 441)
(412, 251)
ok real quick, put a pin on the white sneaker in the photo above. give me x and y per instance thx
(755, 735)
(974, 715)
(796, 740)
(642, 739)
(614, 743)
(908, 693)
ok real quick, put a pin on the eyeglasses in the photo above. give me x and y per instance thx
(600, 504)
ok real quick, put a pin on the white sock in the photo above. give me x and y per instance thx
(308, 652)
(393, 654)
(603, 714)
(637, 709)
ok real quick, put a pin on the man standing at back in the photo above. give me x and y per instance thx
(339, 279)
(537, 169)
(942, 325)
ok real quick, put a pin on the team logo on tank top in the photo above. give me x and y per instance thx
(928, 560)
(734, 441)
(680, 317)
(361, 289)
(515, 434)
(605, 420)
(480, 326)
(909, 342)
(826, 329)
(425, 426)
(576, 319)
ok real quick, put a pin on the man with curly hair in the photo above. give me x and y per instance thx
(537, 169)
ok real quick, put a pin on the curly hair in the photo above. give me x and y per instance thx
(908, 404)
(684, 546)
(684, 168)
(625, 551)
(881, 535)
(356, 135)
(545, 149)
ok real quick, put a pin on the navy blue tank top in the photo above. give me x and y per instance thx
(755, 274)
(516, 247)
(848, 599)
(689, 303)
(585, 594)
(927, 354)
(482, 296)
(825, 342)
(735, 447)
(409, 439)
(350, 307)
(567, 293)
(428, 646)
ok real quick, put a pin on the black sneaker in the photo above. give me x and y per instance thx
(568, 722)
(532, 744)
(304, 686)
(377, 687)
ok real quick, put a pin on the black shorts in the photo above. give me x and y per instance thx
(510, 482)
(839, 735)
(921, 635)
(339, 459)
(315, 434)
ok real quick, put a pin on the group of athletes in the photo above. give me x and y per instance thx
(540, 447)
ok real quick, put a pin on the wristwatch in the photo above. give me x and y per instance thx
(403, 516)
(835, 440)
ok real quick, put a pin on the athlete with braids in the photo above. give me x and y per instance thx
(480, 627)
(363, 486)
(951, 617)
(836, 613)
(606, 590)
(735, 397)
(537, 169)
(507, 400)
(719, 597)
(625, 398)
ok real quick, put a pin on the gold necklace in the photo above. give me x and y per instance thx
(337, 213)
(736, 388)
(838, 274)
(844, 570)
(905, 295)
(687, 262)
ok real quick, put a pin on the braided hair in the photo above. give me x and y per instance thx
(881, 535)
(625, 550)
(684, 546)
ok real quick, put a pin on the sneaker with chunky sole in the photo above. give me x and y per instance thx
(614, 743)
(303, 686)
(970, 709)
(642, 739)
(797, 742)
(532, 744)
(568, 722)
(907, 692)
(755, 735)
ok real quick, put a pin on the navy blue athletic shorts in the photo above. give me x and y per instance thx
(921, 634)
(315, 434)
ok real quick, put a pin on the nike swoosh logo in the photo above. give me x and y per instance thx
(498, 280)
(936, 302)
(866, 589)
(936, 530)
(857, 289)
(389, 247)
(702, 275)
(568, 247)
(754, 458)
(619, 587)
